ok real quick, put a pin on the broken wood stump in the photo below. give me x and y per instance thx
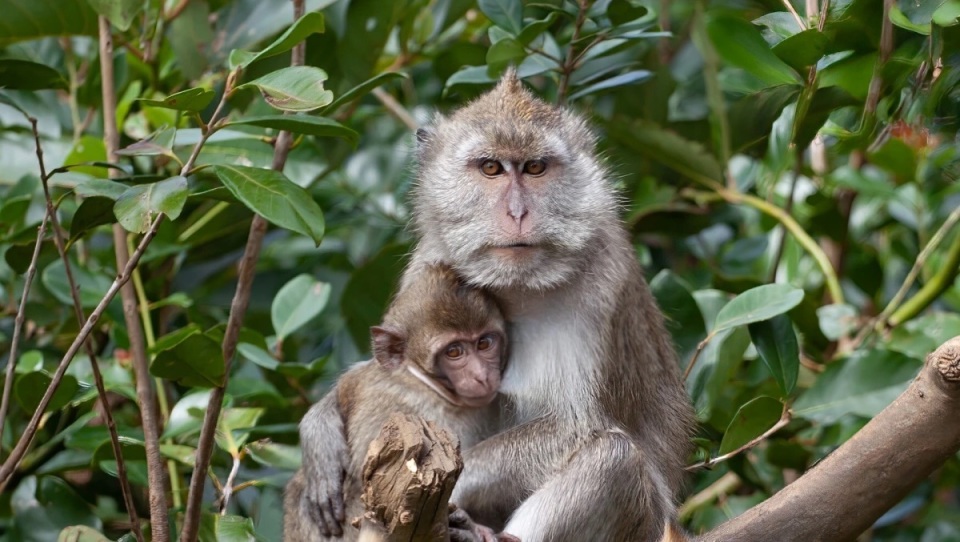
(408, 476)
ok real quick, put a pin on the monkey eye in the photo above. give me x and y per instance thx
(535, 167)
(454, 351)
(486, 342)
(491, 168)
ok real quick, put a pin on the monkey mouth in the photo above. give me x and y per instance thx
(518, 247)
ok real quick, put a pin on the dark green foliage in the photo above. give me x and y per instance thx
(750, 147)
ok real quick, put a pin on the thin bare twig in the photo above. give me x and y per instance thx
(91, 351)
(156, 476)
(238, 309)
(228, 487)
(723, 486)
(18, 324)
(796, 16)
(922, 258)
(12, 462)
(396, 108)
(785, 418)
(886, 48)
(569, 65)
(693, 360)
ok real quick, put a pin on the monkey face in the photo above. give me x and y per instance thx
(509, 190)
(471, 367)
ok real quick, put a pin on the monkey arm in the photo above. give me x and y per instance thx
(501, 471)
(325, 459)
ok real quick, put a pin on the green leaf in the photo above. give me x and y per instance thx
(898, 18)
(100, 187)
(752, 117)
(916, 338)
(258, 355)
(87, 149)
(139, 205)
(120, 13)
(310, 23)
(276, 198)
(34, 19)
(852, 74)
(683, 316)
(718, 362)
(81, 533)
(777, 345)
(235, 529)
(507, 14)
(863, 385)
(31, 387)
(469, 75)
(192, 99)
(156, 144)
(271, 454)
(504, 53)
(363, 89)
(93, 286)
(180, 453)
(751, 421)
(229, 438)
(837, 321)
(757, 304)
(298, 302)
(802, 49)
(948, 13)
(297, 88)
(186, 416)
(897, 157)
(628, 78)
(369, 24)
(825, 101)
(93, 212)
(43, 506)
(534, 29)
(368, 291)
(301, 124)
(739, 43)
(18, 74)
(622, 12)
(686, 156)
(190, 357)
(30, 361)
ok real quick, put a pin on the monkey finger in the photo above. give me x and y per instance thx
(311, 510)
(504, 537)
(334, 524)
(339, 512)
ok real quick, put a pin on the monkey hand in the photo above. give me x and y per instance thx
(323, 499)
(464, 529)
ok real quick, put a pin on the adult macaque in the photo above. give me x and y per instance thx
(596, 425)
(439, 354)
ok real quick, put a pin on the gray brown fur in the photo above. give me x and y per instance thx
(596, 425)
(366, 395)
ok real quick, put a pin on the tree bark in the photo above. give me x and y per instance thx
(844, 494)
(408, 477)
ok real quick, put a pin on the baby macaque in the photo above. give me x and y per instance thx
(439, 354)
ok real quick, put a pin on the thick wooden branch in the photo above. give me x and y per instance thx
(844, 494)
(408, 477)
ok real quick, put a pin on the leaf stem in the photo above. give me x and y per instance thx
(785, 418)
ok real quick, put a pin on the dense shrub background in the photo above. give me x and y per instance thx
(811, 145)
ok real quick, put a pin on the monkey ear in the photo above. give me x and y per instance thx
(388, 346)
(422, 135)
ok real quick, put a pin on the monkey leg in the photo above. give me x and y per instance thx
(607, 492)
